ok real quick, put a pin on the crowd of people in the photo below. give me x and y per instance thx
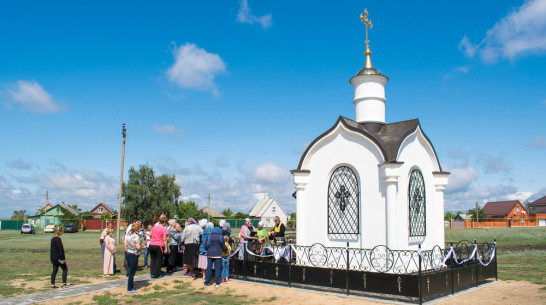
(199, 248)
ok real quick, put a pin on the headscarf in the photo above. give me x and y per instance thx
(202, 223)
(210, 225)
(226, 226)
(222, 222)
(260, 224)
(191, 220)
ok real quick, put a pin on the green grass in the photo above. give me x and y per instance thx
(30, 252)
(105, 299)
(521, 256)
(521, 252)
(507, 238)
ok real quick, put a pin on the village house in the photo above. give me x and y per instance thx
(266, 209)
(537, 209)
(101, 208)
(52, 215)
(511, 210)
(213, 213)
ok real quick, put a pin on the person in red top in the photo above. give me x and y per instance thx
(243, 228)
(158, 246)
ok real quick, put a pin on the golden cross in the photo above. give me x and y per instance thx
(368, 23)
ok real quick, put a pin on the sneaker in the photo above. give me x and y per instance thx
(227, 281)
(206, 284)
(218, 285)
(131, 291)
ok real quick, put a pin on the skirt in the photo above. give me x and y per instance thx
(202, 262)
(190, 251)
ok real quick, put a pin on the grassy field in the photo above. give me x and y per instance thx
(25, 258)
(521, 251)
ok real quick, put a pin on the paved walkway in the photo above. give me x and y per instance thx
(77, 290)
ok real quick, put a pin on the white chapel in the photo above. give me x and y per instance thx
(369, 182)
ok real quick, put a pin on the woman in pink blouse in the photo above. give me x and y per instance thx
(158, 246)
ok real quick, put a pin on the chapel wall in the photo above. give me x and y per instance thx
(362, 157)
(414, 155)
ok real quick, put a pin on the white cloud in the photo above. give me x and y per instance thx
(222, 161)
(494, 165)
(20, 164)
(245, 15)
(468, 49)
(539, 194)
(168, 130)
(521, 32)
(238, 193)
(463, 200)
(537, 142)
(461, 178)
(195, 68)
(33, 97)
(84, 188)
(521, 196)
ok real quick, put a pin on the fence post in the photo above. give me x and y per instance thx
(244, 260)
(495, 253)
(290, 268)
(419, 281)
(476, 261)
(452, 271)
(347, 275)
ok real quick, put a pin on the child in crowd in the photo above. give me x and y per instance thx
(225, 261)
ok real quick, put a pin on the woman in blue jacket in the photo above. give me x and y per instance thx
(214, 245)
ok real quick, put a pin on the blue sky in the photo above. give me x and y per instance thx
(226, 95)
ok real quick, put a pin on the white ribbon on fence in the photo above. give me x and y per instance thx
(469, 258)
(442, 264)
(287, 251)
(493, 251)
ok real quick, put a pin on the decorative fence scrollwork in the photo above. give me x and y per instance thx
(411, 273)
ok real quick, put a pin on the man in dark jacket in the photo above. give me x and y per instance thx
(214, 245)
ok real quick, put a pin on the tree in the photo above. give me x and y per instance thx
(472, 213)
(449, 216)
(293, 216)
(87, 215)
(75, 207)
(19, 215)
(68, 218)
(227, 212)
(145, 196)
(105, 216)
(240, 215)
(191, 209)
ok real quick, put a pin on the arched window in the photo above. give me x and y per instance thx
(417, 201)
(343, 203)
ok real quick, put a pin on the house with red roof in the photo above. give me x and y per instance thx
(101, 208)
(537, 209)
(511, 210)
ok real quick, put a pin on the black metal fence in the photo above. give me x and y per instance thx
(411, 275)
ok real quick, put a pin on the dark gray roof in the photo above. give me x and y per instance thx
(388, 137)
(538, 202)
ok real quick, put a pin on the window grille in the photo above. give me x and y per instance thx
(343, 203)
(417, 201)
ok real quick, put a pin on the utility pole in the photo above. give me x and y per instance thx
(45, 217)
(208, 214)
(477, 219)
(124, 132)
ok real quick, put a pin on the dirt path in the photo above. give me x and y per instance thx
(506, 292)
